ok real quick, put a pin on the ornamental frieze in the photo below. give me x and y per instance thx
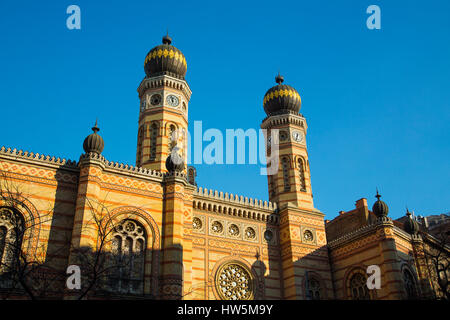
(198, 241)
(232, 246)
(131, 183)
(301, 220)
(52, 175)
(300, 251)
(354, 245)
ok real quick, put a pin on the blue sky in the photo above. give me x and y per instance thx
(376, 101)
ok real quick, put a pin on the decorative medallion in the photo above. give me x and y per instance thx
(155, 99)
(197, 223)
(233, 230)
(283, 135)
(217, 227)
(308, 236)
(250, 233)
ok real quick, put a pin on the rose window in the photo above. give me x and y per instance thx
(234, 283)
(129, 227)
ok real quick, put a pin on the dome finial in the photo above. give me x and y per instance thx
(94, 142)
(411, 225)
(407, 212)
(380, 208)
(378, 196)
(167, 39)
(95, 128)
(279, 78)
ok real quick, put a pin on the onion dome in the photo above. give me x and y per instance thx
(94, 142)
(411, 226)
(165, 59)
(380, 208)
(174, 162)
(281, 99)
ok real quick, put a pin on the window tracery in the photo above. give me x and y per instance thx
(128, 253)
(410, 285)
(358, 287)
(234, 282)
(313, 289)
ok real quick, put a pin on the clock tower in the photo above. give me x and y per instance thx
(163, 117)
(302, 228)
(286, 134)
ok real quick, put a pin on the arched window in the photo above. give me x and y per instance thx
(172, 141)
(285, 165)
(153, 137)
(192, 173)
(271, 186)
(140, 141)
(301, 171)
(410, 285)
(11, 234)
(358, 287)
(128, 242)
(3, 232)
(313, 289)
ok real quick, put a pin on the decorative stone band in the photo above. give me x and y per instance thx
(171, 53)
(278, 120)
(281, 93)
(36, 157)
(379, 222)
(167, 81)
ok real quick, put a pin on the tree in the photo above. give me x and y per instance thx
(109, 267)
(23, 272)
(34, 274)
(437, 256)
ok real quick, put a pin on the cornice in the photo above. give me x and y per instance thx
(257, 209)
(292, 207)
(167, 81)
(282, 119)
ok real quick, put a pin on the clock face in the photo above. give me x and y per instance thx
(155, 99)
(297, 136)
(172, 100)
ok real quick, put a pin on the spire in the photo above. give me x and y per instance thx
(279, 78)
(378, 196)
(167, 39)
(95, 128)
(408, 213)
